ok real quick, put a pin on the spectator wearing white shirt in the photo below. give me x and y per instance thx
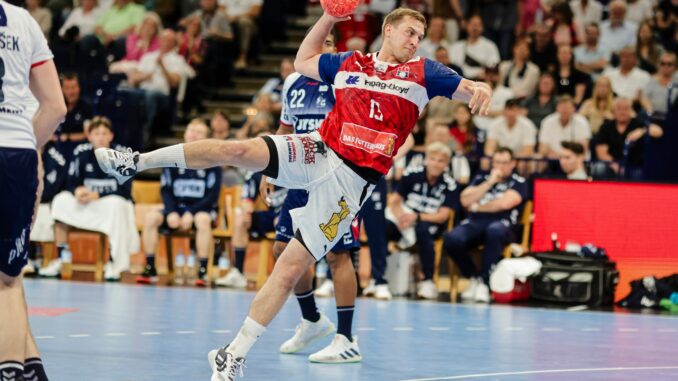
(655, 98)
(563, 125)
(434, 39)
(586, 12)
(81, 21)
(476, 52)
(157, 74)
(628, 81)
(616, 32)
(500, 95)
(520, 75)
(638, 11)
(243, 13)
(512, 130)
(591, 57)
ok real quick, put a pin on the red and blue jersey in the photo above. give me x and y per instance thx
(378, 103)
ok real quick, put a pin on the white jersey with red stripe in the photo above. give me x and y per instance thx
(378, 103)
(22, 46)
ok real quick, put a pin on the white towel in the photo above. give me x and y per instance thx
(43, 228)
(112, 215)
(506, 272)
(409, 236)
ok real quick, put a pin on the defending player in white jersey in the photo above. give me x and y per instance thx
(379, 98)
(26, 67)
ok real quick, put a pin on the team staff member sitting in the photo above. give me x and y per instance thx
(190, 198)
(421, 208)
(493, 202)
(95, 201)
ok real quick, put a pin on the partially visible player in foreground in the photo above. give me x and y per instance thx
(379, 98)
(26, 67)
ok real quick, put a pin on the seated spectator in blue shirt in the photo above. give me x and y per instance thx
(420, 209)
(191, 200)
(493, 202)
(95, 201)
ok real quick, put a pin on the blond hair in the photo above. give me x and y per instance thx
(438, 147)
(397, 15)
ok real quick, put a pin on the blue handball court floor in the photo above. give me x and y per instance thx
(133, 333)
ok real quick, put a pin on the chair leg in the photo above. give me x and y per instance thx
(48, 252)
(454, 280)
(170, 259)
(210, 261)
(101, 255)
(438, 247)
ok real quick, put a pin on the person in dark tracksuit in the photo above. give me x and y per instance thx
(191, 201)
(420, 209)
(493, 202)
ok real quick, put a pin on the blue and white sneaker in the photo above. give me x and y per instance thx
(338, 352)
(306, 333)
(225, 367)
(121, 165)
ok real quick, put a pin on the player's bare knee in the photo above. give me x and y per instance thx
(9, 282)
(203, 221)
(336, 260)
(152, 220)
(278, 248)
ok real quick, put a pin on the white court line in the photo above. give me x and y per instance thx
(628, 329)
(79, 335)
(590, 329)
(44, 337)
(185, 332)
(667, 330)
(221, 331)
(476, 328)
(400, 329)
(366, 329)
(151, 333)
(513, 329)
(547, 329)
(547, 371)
(439, 328)
(115, 334)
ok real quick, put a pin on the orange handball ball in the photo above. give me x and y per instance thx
(339, 8)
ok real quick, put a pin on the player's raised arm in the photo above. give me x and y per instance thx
(308, 55)
(478, 95)
(44, 84)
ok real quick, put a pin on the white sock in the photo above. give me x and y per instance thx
(172, 156)
(248, 335)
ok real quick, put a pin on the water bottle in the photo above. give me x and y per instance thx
(191, 268)
(179, 264)
(554, 241)
(66, 264)
(224, 263)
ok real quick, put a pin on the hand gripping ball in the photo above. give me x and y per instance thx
(339, 8)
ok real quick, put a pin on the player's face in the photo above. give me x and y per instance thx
(503, 162)
(71, 90)
(436, 163)
(195, 132)
(568, 161)
(328, 44)
(404, 38)
(100, 137)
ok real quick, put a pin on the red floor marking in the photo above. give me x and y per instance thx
(46, 311)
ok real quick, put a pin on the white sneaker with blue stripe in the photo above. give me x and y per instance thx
(339, 351)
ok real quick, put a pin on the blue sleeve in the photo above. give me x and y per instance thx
(477, 180)
(329, 64)
(440, 79)
(74, 179)
(167, 192)
(521, 188)
(452, 198)
(405, 186)
(213, 187)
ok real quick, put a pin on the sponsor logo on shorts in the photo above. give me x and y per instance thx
(331, 228)
(367, 139)
(311, 148)
(20, 245)
(291, 149)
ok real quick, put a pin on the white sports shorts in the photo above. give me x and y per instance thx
(336, 192)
